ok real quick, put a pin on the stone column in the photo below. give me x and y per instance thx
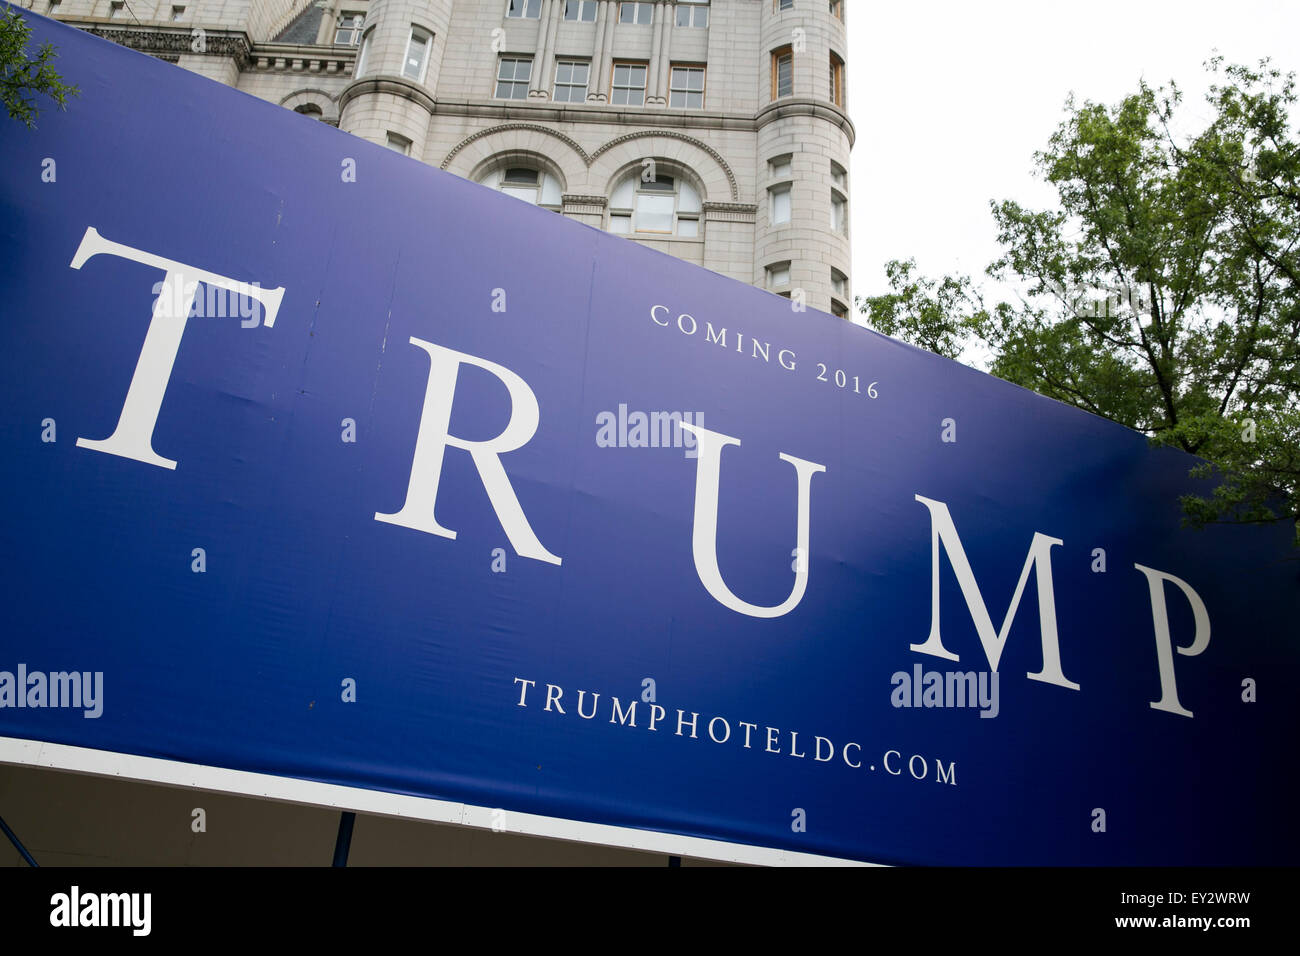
(540, 85)
(606, 17)
(669, 11)
(652, 97)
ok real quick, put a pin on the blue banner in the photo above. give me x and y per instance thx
(322, 463)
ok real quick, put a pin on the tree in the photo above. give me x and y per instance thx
(1163, 293)
(21, 77)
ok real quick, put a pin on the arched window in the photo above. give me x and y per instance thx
(528, 183)
(782, 72)
(309, 109)
(839, 213)
(416, 61)
(837, 80)
(364, 53)
(664, 205)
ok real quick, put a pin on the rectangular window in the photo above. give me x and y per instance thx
(839, 283)
(348, 30)
(780, 167)
(636, 13)
(521, 183)
(628, 88)
(177, 13)
(782, 72)
(399, 144)
(778, 274)
(782, 5)
(654, 213)
(512, 78)
(837, 80)
(686, 90)
(779, 204)
(417, 55)
(837, 9)
(584, 10)
(838, 177)
(693, 13)
(839, 212)
(526, 9)
(53, 7)
(571, 81)
(117, 8)
(839, 310)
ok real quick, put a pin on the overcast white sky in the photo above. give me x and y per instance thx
(952, 99)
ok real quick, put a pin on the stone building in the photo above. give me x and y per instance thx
(713, 130)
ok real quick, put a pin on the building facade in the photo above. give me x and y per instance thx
(712, 130)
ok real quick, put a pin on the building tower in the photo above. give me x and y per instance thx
(803, 153)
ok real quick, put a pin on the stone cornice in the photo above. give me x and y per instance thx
(790, 106)
(314, 50)
(296, 57)
(507, 111)
(583, 205)
(385, 83)
(544, 111)
(171, 42)
(730, 211)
